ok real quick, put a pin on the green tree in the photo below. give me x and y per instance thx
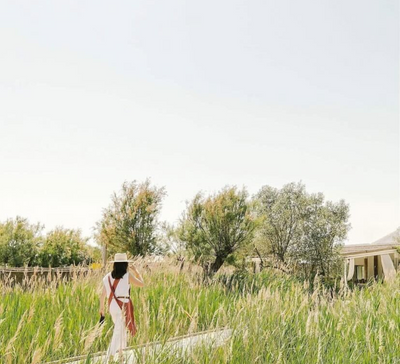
(19, 242)
(130, 223)
(324, 228)
(64, 247)
(216, 226)
(301, 230)
(94, 253)
(170, 241)
(282, 214)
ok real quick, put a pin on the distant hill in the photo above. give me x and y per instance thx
(388, 239)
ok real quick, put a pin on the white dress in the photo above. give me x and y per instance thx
(119, 338)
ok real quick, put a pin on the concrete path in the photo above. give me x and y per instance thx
(176, 346)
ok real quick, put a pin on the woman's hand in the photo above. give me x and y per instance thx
(135, 272)
(135, 279)
(133, 268)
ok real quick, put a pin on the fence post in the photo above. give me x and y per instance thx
(104, 256)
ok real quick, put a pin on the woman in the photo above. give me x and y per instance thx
(117, 289)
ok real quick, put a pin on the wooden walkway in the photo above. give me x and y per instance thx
(177, 346)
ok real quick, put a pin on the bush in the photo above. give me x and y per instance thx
(19, 242)
(64, 247)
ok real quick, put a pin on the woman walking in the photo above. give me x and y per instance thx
(116, 287)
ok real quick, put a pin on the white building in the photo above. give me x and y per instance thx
(378, 260)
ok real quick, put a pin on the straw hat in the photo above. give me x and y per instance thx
(120, 257)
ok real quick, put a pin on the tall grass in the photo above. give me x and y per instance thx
(274, 319)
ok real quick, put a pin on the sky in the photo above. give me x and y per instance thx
(197, 95)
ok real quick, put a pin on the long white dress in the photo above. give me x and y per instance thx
(119, 338)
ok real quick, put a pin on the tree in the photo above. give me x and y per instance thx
(282, 213)
(94, 253)
(301, 229)
(214, 227)
(324, 228)
(170, 241)
(19, 242)
(130, 223)
(64, 247)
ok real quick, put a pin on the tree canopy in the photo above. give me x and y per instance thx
(24, 244)
(216, 226)
(301, 229)
(19, 242)
(131, 223)
(64, 247)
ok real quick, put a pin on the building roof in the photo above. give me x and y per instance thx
(369, 248)
(388, 242)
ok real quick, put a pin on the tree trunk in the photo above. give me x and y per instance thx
(182, 263)
(104, 256)
(261, 259)
(219, 260)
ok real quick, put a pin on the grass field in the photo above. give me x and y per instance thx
(275, 319)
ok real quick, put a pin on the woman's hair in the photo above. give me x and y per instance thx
(119, 269)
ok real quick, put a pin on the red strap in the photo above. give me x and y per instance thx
(112, 293)
(127, 307)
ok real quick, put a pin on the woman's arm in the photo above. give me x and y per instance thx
(102, 298)
(134, 277)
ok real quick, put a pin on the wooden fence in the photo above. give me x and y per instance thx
(23, 275)
(42, 270)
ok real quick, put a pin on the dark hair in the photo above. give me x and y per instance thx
(119, 269)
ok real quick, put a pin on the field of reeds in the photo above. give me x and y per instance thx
(275, 318)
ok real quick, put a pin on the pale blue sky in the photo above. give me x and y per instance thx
(197, 95)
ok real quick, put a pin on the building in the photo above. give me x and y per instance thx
(378, 260)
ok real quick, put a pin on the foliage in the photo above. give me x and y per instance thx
(64, 247)
(59, 318)
(171, 241)
(130, 223)
(282, 213)
(19, 242)
(216, 226)
(24, 244)
(273, 317)
(301, 230)
(95, 253)
(324, 228)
